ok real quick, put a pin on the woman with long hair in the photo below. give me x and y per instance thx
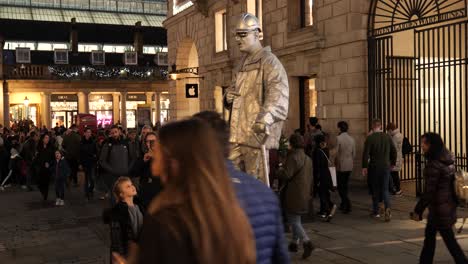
(196, 218)
(45, 156)
(440, 198)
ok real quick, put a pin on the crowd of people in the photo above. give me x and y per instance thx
(172, 205)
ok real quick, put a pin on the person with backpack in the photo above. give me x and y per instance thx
(114, 158)
(397, 138)
(440, 198)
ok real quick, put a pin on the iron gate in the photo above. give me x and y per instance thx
(424, 93)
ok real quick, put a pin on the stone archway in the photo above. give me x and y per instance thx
(186, 57)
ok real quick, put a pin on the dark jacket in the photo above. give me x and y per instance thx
(44, 155)
(298, 174)
(149, 186)
(322, 176)
(71, 145)
(439, 195)
(29, 151)
(88, 152)
(63, 169)
(379, 151)
(115, 158)
(262, 208)
(165, 239)
(121, 228)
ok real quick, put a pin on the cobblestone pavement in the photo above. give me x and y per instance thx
(33, 233)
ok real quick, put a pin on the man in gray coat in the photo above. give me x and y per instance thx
(346, 151)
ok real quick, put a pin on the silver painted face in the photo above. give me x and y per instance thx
(245, 40)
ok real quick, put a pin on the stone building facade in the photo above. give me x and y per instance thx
(326, 56)
(350, 60)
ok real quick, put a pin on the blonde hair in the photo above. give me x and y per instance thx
(116, 189)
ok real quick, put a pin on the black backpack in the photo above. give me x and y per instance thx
(407, 148)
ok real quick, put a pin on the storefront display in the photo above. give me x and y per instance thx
(101, 106)
(19, 112)
(165, 104)
(64, 108)
(133, 100)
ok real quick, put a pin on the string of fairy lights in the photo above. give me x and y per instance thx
(108, 72)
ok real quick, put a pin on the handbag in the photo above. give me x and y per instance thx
(332, 170)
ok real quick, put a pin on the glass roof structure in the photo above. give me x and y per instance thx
(111, 12)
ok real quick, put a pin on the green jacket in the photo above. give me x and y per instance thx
(379, 151)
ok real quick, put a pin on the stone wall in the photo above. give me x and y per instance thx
(333, 50)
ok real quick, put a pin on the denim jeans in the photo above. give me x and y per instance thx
(379, 181)
(298, 231)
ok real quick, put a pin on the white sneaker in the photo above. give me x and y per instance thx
(57, 201)
(62, 203)
(24, 187)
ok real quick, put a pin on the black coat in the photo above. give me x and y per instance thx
(88, 152)
(44, 155)
(322, 174)
(121, 229)
(149, 186)
(439, 195)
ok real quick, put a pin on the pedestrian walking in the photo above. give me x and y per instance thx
(378, 157)
(71, 146)
(440, 198)
(88, 160)
(61, 172)
(397, 138)
(28, 153)
(114, 158)
(346, 152)
(297, 173)
(45, 156)
(322, 178)
(197, 217)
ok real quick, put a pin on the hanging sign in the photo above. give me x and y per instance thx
(191, 90)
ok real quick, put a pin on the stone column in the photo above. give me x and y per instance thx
(149, 100)
(74, 37)
(45, 117)
(116, 106)
(6, 105)
(123, 111)
(157, 98)
(83, 102)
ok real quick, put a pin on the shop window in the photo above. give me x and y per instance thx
(300, 14)
(254, 7)
(221, 30)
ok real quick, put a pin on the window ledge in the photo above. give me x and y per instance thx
(301, 35)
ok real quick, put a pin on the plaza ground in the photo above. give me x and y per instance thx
(33, 233)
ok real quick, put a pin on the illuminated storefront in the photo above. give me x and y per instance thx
(165, 104)
(133, 100)
(101, 105)
(64, 108)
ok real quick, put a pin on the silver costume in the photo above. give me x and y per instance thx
(262, 98)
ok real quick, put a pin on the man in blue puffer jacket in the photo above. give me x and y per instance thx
(259, 202)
